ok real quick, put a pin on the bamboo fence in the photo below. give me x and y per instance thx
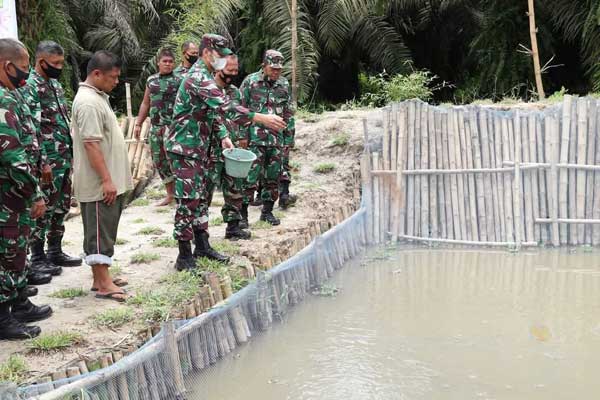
(476, 175)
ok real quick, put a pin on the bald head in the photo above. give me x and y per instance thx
(12, 50)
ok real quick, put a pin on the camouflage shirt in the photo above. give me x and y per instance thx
(181, 70)
(163, 91)
(263, 96)
(199, 115)
(54, 117)
(234, 97)
(29, 112)
(17, 185)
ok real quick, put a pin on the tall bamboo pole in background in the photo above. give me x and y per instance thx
(294, 15)
(535, 52)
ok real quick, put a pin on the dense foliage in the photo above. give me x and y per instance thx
(478, 46)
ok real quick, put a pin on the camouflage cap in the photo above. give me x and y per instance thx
(273, 59)
(216, 42)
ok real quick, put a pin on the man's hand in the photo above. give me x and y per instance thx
(270, 121)
(46, 174)
(243, 143)
(110, 192)
(38, 209)
(137, 131)
(226, 143)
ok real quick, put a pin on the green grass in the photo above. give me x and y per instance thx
(121, 241)
(13, 370)
(138, 221)
(261, 225)
(156, 194)
(151, 230)
(225, 246)
(295, 166)
(140, 202)
(68, 293)
(216, 221)
(324, 168)
(205, 264)
(115, 269)
(165, 242)
(173, 290)
(163, 210)
(113, 318)
(341, 139)
(54, 341)
(278, 214)
(144, 258)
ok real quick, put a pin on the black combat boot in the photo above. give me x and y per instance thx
(234, 232)
(203, 248)
(23, 310)
(57, 256)
(244, 214)
(285, 198)
(31, 291)
(267, 213)
(39, 262)
(185, 260)
(38, 278)
(11, 329)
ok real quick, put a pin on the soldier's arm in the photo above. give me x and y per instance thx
(142, 113)
(288, 116)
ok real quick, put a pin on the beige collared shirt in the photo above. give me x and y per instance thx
(94, 121)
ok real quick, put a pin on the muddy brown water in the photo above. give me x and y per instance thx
(431, 324)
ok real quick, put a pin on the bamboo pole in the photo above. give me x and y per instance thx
(122, 386)
(468, 152)
(410, 181)
(572, 176)
(480, 194)
(564, 158)
(400, 166)
(458, 205)
(433, 199)
(468, 242)
(376, 200)
(425, 225)
(573, 221)
(365, 173)
(582, 127)
(500, 189)
(590, 159)
(527, 142)
(535, 54)
(534, 186)
(518, 192)
(172, 353)
(463, 189)
(443, 224)
(596, 177)
(508, 185)
(451, 212)
(542, 136)
(418, 179)
(553, 194)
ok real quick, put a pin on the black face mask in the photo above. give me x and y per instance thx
(191, 59)
(228, 79)
(20, 79)
(50, 71)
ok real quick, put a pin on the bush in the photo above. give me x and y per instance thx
(381, 89)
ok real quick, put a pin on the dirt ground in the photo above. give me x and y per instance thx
(319, 195)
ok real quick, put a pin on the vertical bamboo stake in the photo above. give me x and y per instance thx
(383, 195)
(535, 54)
(591, 148)
(458, 197)
(596, 175)
(449, 182)
(542, 135)
(173, 357)
(470, 130)
(410, 179)
(443, 224)
(499, 178)
(425, 227)
(401, 165)
(365, 172)
(508, 201)
(433, 200)
(518, 192)
(376, 196)
(418, 178)
(572, 176)
(387, 132)
(532, 176)
(486, 187)
(582, 126)
(552, 156)
(564, 158)
(128, 99)
(525, 143)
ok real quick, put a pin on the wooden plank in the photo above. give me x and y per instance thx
(433, 200)
(457, 215)
(439, 148)
(508, 201)
(590, 159)
(410, 180)
(552, 155)
(581, 190)
(425, 231)
(482, 220)
(468, 151)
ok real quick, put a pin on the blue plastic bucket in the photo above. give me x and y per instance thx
(238, 162)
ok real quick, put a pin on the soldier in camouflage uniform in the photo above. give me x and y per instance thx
(19, 188)
(232, 188)
(54, 123)
(266, 91)
(198, 117)
(159, 98)
(189, 56)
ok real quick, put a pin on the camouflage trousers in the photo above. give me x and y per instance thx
(159, 155)
(266, 169)
(286, 175)
(190, 193)
(232, 188)
(52, 223)
(13, 255)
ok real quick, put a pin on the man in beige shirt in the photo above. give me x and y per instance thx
(101, 169)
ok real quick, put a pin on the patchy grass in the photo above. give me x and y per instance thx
(205, 264)
(138, 221)
(295, 166)
(324, 168)
(144, 258)
(341, 140)
(163, 210)
(216, 221)
(13, 370)
(278, 214)
(173, 290)
(156, 194)
(115, 269)
(140, 202)
(165, 242)
(68, 293)
(113, 318)
(54, 341)
(225, 246)
(121, 241)
(261, 225)
(151, 230)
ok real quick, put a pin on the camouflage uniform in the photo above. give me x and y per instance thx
(163, 91)
(18, 188)
(198, 119)
(262, 96)
(181, 70)
(58, 146)
(232, 188)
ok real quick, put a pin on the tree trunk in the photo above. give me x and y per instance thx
(535, 52)
(294, 16)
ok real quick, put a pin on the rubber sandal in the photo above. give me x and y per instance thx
(111, 296)
(117, 281)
